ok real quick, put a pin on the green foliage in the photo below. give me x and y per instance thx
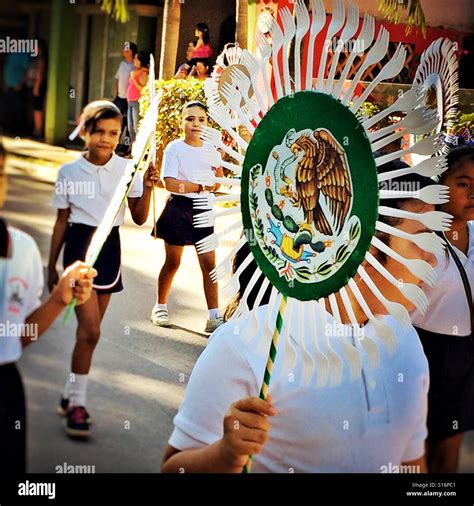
(118, 9)
(392, 9)
(176, 92)
(463, 122)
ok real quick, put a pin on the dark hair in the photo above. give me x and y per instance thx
(97, 110)
(205, 61)
(130, 46)
(202, 27)
(144, 58)
(194, 103)
(457, 156)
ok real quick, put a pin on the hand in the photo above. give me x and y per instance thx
(152, 176)
(246, 429)
(76, 282)
(52, 278)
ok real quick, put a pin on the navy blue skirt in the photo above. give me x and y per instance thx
(451, 393)
(175, 225)
(108, 264)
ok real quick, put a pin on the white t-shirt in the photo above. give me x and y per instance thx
(180, 160)
(123, 75)
(21, 285)
(448, 311)
(87, 189)
(359, 426)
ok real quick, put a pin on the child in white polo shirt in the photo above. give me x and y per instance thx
(23, 319)
(372, 424)
(83, 193)
(445, 329)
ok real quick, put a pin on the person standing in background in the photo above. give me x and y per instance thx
(40, 64)
(202, 49)
(122, 77)
(137, 81)
(15, 73)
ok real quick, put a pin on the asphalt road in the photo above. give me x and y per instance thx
(139, 371)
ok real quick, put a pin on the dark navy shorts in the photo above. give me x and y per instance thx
(175, 225)
(108, 264)
(451, 393)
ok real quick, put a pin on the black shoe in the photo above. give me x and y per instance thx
(64, 404)
(76, 422)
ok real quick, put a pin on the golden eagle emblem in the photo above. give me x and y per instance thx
(321, 168)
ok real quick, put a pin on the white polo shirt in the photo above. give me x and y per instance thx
(367, 425)
(87, 189)
(21, 285)
(123, 75)
(180, 160)
(448, 311)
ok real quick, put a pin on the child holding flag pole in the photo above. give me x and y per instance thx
(88, 227)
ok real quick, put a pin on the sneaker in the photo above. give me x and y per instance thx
(213, 324)
(76, 422)
(64, 404)
(159, 317)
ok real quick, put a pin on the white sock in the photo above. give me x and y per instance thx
(78, 389)
(161, 306)
(67, 388)
(213, 313)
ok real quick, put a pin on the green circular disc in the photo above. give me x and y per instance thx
(309, 195)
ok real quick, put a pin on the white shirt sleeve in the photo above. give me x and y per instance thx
(35, 279)
(60, 199)
(170, 164)
(136, 190)
(220, 377)
(416, 446)
(117, 74)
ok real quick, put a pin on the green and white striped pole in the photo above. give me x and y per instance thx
(269, 367)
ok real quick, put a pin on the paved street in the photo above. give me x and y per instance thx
(139, 371)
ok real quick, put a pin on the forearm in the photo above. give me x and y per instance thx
(57, 241)
(201, 460)
(181, 186)
(139, 207)
(41, 319)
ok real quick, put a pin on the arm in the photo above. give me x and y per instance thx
(246, 428)
(116, 88)
(219, 172)
(140, 206)
(181, 186)
(418, 464)
(39, 77)
(57, 241)
(75, 282)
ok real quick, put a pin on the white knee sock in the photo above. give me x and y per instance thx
(78, 389)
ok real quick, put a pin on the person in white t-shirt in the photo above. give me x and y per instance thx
(23, 318)
(375, 423)
(181, 159)
(84, 191)
(445, 329)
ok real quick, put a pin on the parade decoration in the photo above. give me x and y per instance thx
(143, 145)
(310, 188)
(437, 73)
